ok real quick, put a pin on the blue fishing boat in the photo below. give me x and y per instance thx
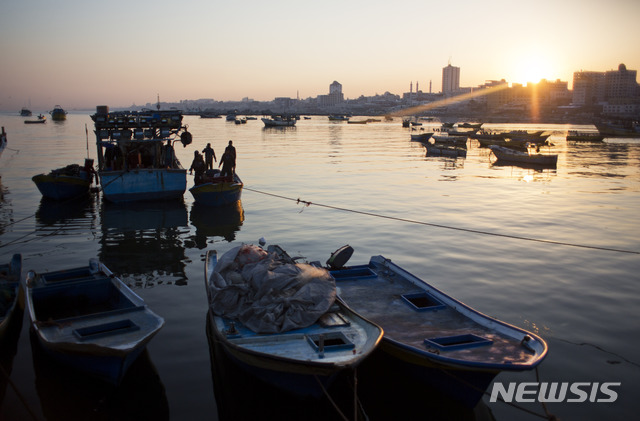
(136, 159)
(89, 319)
(215, 190)
(296, 337)
(430, 335)
(10, 274)
(66, 183)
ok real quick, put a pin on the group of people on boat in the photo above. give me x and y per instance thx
(139, 155)
(201, 164)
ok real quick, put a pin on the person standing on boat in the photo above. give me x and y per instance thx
(198, 166)
(232, 151)
(209, 156)
(227, 161)
(169, 155)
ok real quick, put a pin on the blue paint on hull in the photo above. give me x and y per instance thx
(143, 184)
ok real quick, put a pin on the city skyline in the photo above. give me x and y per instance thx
(127, 53)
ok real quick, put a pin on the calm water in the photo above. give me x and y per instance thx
(583, 301)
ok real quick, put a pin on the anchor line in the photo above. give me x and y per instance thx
(469, 230)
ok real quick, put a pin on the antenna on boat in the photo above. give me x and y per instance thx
(86, 131)
(158, 104)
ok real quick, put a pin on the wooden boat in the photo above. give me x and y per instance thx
(357, 121)
(58, 113)
(465, 125)
(215, 190)
(39, 121)
(578, 136)
(629, 129)
(136, 157)
(25, 112)
(438, 149)
(429, 334)
(525, 157)
(304, 359)
(10, 278)
(279, 121)
(89, 319)
(449, 139)
(67, 182)
(421, 137)
(335, 117)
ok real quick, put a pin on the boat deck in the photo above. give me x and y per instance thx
(427, 320)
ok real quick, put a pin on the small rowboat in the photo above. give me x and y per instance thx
(215, 190)
(65, 183)
(523, 157)
(430, 335)
(299, 356)
(89, 319)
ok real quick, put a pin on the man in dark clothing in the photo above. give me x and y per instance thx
(227, 161)
(209, 156)
(198, 166)
(232, 151)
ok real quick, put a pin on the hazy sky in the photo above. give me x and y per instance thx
(83, 53)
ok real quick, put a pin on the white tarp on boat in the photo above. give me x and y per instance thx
(267, 294)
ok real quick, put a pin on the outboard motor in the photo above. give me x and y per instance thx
(340, 257)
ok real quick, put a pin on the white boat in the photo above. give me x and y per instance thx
(89, 319)
(430, 335)
(136, 159)
(524, 157)
(279, 121)
(292, 334)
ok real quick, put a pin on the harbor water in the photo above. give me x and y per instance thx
(551, 250)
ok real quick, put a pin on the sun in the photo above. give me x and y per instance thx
(531, 67)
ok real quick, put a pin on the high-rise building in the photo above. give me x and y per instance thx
(620, 84)
(450, 79)
(588, 88)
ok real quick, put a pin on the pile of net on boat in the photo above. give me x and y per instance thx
(71, 170)
(267, 293)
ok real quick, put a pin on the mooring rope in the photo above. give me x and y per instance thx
(412, 221)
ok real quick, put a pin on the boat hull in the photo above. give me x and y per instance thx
(433, 337)
(510, 155)
(217, 194)
(90, 320)
(143, 184)
(62, 187)
(278, 123)
(301, 361)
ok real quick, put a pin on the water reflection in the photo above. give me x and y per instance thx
(79, 212)
(6, 212)
(144, 240)
(68, 395)
(223, 221)
(8, 348)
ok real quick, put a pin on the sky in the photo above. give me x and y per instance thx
(83, 53)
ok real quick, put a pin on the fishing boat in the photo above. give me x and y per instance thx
(25, 112)
(88, 319)
(449, 139)
(216, 190)
(279, 121)
(439, 149)
(466, 125)
(627, 129)
(431, 335)
(41, 120)
(136, 157)
(313, 337)
(66, 182)
(578, 136)
(10, 274)
(338, 117)
(357, 121)
(58, 113)
(421, 137)
(524, 157)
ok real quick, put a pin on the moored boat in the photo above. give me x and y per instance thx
(215, 190)
(88, 319)
(298, 337)
(279, 121)
(66, 182)
(578, 136)
(430, 335)
(628, 129)
(421, 137)
(10, 277)
(25, 112)
(524, 157)
(58, 113)
(41, 120)
(136, 157)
